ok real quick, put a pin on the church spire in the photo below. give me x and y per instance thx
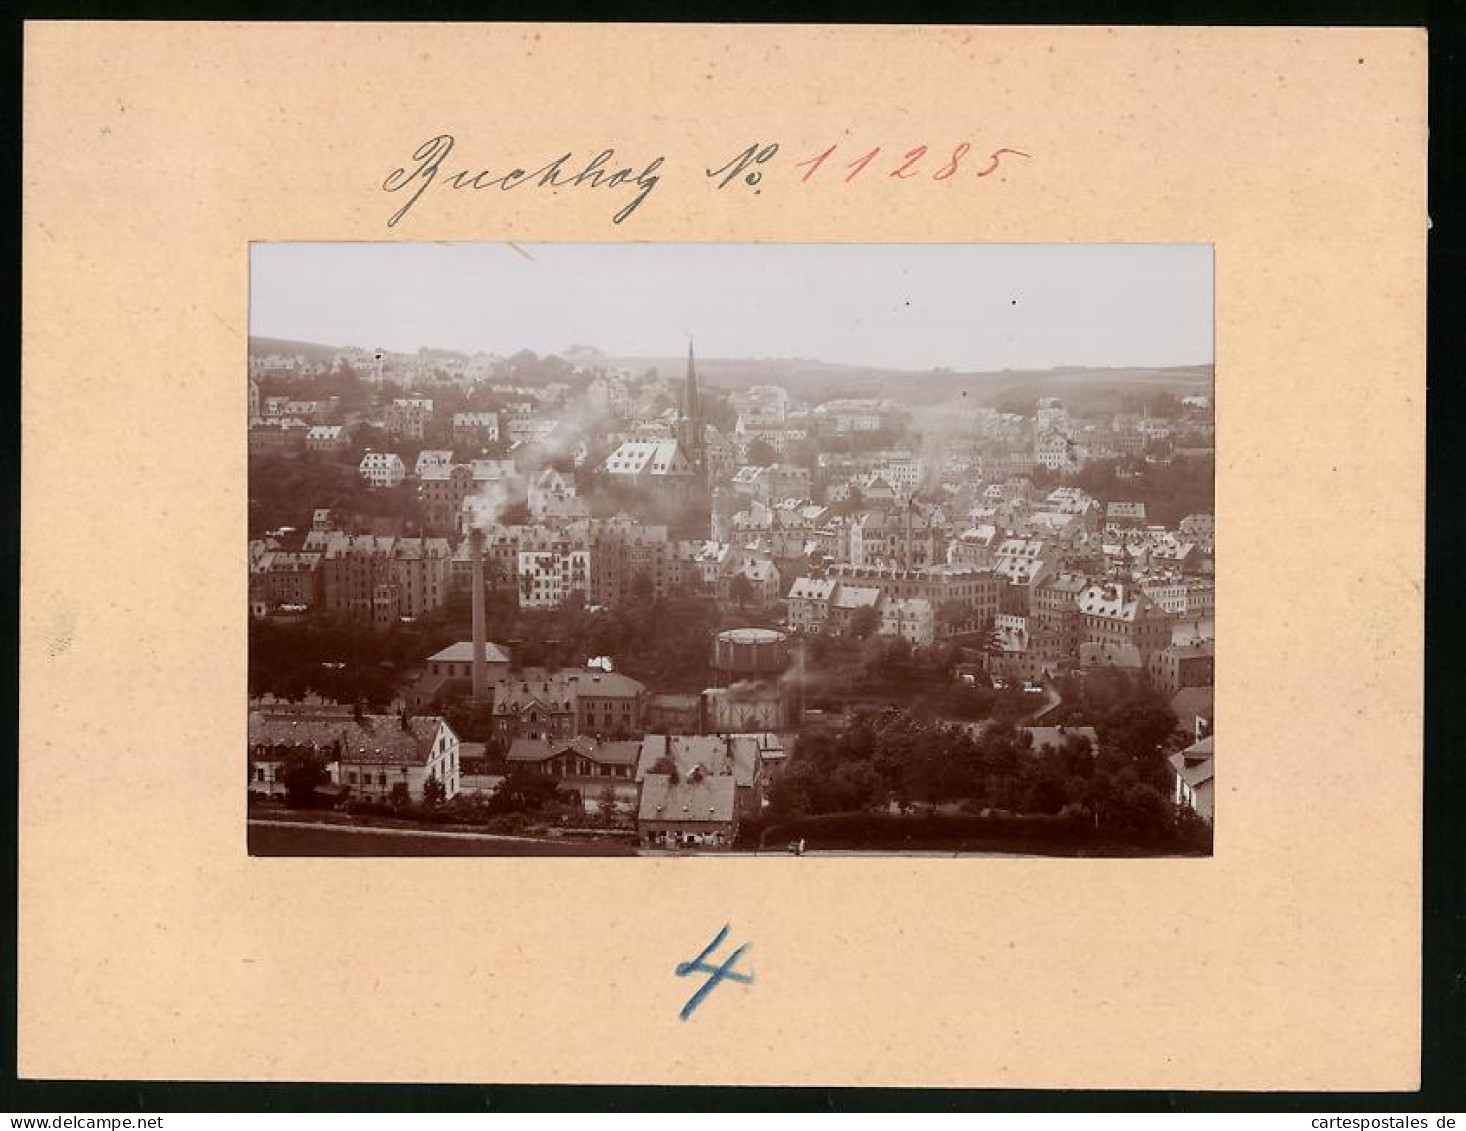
(691, 401)
(690, 430)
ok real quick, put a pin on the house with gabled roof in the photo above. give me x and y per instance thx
(699, 810)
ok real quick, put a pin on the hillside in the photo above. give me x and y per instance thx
(818, 380)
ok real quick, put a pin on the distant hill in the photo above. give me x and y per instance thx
(311, 351)
(806, 378)
(821, 380)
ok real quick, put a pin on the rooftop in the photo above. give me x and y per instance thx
(709, 799)
(462, 653)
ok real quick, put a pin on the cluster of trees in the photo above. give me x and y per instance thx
(1170, 491)
(894, 757)
(339, 659)
(846, 670)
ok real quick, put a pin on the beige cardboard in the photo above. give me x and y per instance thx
(152, 946)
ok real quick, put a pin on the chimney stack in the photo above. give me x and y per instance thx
(480, 673)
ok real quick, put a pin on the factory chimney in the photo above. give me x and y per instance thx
(480, 674)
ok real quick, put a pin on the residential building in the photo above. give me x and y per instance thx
(538, 706)
(576, 761)
(432, 457)
(608, 703)
(1125, 516)
(735, 756)
(420, 572)
(353, 568)
(657, 466)
(1182, 665)
(1194, 769)
(909, 618)
(326, 438)
(698, 811)
(848, 603)
(382, 469)
(548, 578)
(1114, 615)
(369, 755)
(979, 590)
(809, 603)
(441, 491)
(385, 751)
(475, 430)
(408, 417)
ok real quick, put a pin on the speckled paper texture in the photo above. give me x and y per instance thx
(152, 946)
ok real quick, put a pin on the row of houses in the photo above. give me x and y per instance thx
(685, 790)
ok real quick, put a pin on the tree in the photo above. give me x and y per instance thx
(302, 771)
(434, 793)
(761, 453)
(863, 622)
(953, 615)
(740, 589)
(643, 588)
(610, 804)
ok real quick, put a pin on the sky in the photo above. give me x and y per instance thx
(908, 306)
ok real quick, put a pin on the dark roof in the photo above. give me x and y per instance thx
(607, 685)
(734, 756)
(374, 739)
(710, 798)
(540, 750)
(533, 750)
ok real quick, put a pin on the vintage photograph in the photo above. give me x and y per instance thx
(755, 549)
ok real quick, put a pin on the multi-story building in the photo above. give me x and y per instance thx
(441, 490)
(547, 578)
(1116, 616)
(897, 537)
(977, 589)
(761, 578)
(274, 434)
(848, 603)
(475, 430)
(1182, 665)
(370, 755)
(782, 481)
(609, 704)
(408, 417)
(657, 467)
(1055, 607)
(539, 707)
(909, 618)
(547, 490)
(289, 578)
(1125, 516)
(385, 751)
(353, 569)
(420, 572)
(382, 469)
(809, 603)
(698, 810)
(432, 457)
(326, 438)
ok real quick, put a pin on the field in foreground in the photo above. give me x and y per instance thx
(298, 839)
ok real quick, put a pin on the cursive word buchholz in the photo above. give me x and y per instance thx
(563, 172)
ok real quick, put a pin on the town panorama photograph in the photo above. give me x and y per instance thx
(775, 550)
